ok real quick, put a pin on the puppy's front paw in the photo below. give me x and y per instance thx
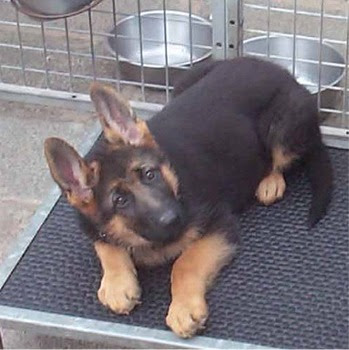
(187, 315)
(120, 293)
(271, 188)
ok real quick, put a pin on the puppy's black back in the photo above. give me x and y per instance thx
(220, 129)
(209, 135)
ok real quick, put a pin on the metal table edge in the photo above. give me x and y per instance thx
(93, 330)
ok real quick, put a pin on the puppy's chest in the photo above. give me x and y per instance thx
(151, 256)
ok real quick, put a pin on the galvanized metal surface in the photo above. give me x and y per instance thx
(93, 330)
(227, 21)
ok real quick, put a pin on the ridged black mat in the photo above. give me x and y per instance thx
(287, 288)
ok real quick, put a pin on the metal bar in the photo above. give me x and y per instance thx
(27, 94)
(225, 29)
(329, 130)
(124, 37)
(268, 30)
(166, 51)
(21, 48)
(190, 32)
(218, 29)
(291, 11)
(140, 32)
(80, 54)
(89, 77)
(45, 55)
(133, 337)
(69, 55)
(91, 45)
(241, 26)
(117, 66)
(320, 53)
(305, 60)
(261, 31)
(0, 70)
(257, 7)
(76, 101)
(129, 82)
(53, 27)
(345, 95)
(294, 37)
(233, 28)
(134, 83)
(332, 111)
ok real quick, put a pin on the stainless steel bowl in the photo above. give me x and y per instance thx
(53, 9)
(127, 44)
(307, 63)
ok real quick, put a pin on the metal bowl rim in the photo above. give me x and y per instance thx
(184, 63)
(334, 83)
(27, 11)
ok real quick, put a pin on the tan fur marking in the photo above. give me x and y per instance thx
(170, 177)
(281, 159)
(119, 289)
(117, 230)
(114, 184)
(192, 274)
(147, 138)
(152, 256)
(89, 208)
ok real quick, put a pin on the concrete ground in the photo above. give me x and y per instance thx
(24, 177)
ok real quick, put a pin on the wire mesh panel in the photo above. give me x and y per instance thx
(157, 40)
(68, 54)
(310, 38)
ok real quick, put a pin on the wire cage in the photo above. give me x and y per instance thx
(62, 57)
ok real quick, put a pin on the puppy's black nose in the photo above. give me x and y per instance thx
(169, 217)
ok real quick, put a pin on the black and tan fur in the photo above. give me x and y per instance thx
(167, 190)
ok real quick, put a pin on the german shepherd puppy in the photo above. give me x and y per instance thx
(167, 189)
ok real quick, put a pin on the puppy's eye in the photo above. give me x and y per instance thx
(149, 175)
(120, 200)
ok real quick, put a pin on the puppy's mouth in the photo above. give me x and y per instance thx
(159, 235)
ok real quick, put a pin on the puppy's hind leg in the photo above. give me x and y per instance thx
(273, 186)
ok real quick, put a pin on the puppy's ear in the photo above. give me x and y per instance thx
(118, 120)
(75, 177)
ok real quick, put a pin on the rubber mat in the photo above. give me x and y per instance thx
(287, 288)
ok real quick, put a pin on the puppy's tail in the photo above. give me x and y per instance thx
(319, 169)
